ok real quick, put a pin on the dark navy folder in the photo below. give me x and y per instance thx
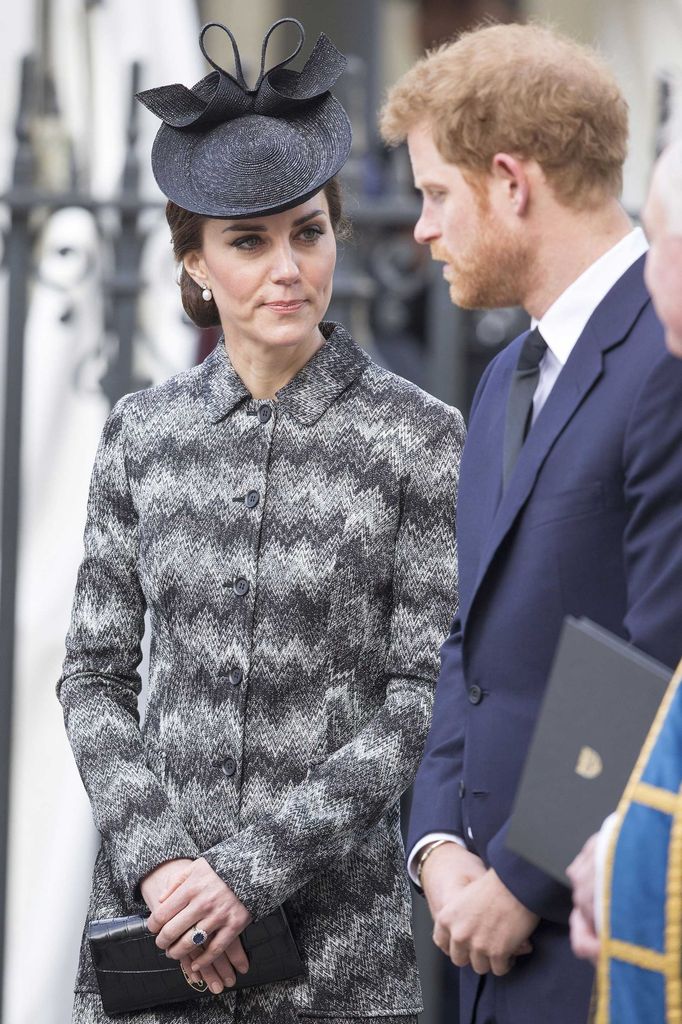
(601, 698)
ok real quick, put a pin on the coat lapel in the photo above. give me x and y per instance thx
(607, 327)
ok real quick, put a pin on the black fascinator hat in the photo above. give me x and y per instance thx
(225, 150)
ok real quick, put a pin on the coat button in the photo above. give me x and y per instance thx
(475, 694)
(462, 790)
(240, 586)
(235, 676)
(229, 766)
(252, 499)
(264, 414)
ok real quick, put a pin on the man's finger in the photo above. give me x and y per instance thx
(584, 940)
(479, 962)
(441, 938)
(459, 953)
(501, 965)
(573, 869)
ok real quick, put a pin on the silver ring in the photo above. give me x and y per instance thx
(199, 936)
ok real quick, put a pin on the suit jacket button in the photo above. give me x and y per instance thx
(475, 694)
(235, 676)
(229, 766)
(264, 414)
(241, 587)
(252, 499)
(462, 790)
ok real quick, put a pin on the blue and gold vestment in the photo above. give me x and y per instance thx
(639, 974)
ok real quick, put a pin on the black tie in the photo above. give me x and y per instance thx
(520, 403)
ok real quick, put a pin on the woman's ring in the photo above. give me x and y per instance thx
(199, 936)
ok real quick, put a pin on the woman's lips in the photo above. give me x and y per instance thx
(285, 307)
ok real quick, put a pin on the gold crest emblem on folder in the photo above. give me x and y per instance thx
(589, 764)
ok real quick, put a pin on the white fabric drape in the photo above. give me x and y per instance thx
(53, 840)
(51, 836)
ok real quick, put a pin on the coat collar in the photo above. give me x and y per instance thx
(318, 384)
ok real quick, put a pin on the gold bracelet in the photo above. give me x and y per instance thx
(426, 854)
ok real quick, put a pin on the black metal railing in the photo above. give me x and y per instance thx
(28, 207)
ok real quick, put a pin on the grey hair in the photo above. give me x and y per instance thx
(667, 181)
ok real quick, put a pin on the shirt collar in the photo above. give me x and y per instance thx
(308, 395)
(567, 317)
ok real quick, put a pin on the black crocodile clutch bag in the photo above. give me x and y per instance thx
(134, 974)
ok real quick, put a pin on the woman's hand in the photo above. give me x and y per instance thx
(163, 881)
(200, 899)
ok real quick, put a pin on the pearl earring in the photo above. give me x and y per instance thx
(207, 294)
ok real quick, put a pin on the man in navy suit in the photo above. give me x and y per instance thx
(662, 218)
(571, 478)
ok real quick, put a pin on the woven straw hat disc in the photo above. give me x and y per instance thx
(254, 162)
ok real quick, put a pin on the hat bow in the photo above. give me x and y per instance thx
(221, 97)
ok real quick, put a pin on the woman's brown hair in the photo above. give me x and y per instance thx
(187, 236)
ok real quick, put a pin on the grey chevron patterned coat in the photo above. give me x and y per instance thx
(297, 560)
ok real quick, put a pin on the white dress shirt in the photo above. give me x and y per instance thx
(561, 326)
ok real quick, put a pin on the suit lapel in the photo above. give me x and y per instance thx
(608, 326)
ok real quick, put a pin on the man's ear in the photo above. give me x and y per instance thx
(195, 267)
(511, 175)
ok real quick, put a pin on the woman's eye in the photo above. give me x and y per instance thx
(311, 233)
(247, 242)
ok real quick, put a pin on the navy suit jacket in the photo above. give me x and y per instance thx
(590, 524)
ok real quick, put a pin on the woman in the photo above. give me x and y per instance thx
(285, 513)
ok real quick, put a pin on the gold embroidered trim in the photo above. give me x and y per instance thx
(673, 920)
(655, 797)
(640, 956)
(607, 944)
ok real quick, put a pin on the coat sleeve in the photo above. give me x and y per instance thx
(652, 482)
(99, 685)
(325, 816)
(436, 800)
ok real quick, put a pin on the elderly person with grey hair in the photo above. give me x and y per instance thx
(285, 514)
(627, 879)
(663, 222)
